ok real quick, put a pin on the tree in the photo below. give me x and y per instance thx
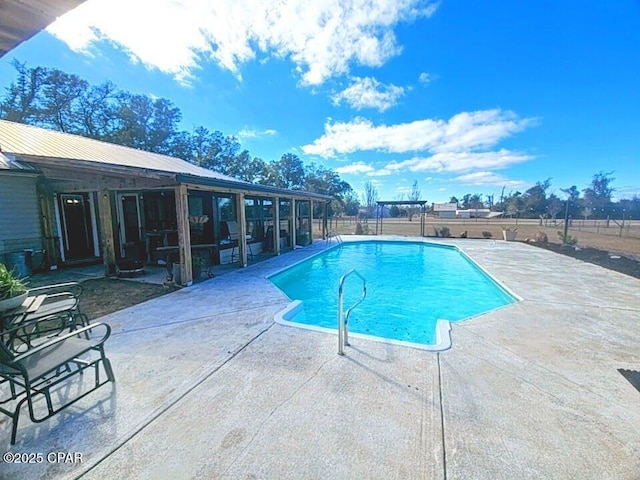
(535, 199)
(554, 206)
(414, 196)
(20, 103)
(60, 102)
(598, 195)
(288, 172)
(573, 197)
(370, 197)
(145, 123)
(97, 111)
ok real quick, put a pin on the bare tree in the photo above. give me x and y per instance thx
(414, 196)
(370, 197)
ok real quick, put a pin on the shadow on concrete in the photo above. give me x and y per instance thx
(632, 376)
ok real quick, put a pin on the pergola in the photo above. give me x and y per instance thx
(383, 203)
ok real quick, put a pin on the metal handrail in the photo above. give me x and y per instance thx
(334, 234)
(343, 319)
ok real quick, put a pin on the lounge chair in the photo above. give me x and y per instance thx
(38, 372)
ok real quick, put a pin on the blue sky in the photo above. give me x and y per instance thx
(460, 96)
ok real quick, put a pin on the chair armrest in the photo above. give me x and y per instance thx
(62, 338)
(75, 288)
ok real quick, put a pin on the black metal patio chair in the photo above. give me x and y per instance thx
(33, 367)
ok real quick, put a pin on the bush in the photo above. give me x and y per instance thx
(445, 232)
(486, 234)
(541, 237)
(568, 240)
(359, 229)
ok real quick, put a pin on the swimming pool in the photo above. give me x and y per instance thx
(410, 287)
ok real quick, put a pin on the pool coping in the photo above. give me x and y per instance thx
(443, 326)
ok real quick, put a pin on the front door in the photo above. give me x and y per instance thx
(76, 226)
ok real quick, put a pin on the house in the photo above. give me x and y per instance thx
(473, 213)
(444, 210)
(81, 199)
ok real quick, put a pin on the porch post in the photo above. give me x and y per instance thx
(294, 223)
(276, 226)
(106, 228)
(184, 235)
(242, 231)
(310, 221)
(47, 213)
(325, 218)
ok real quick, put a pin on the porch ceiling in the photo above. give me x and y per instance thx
(20, 20)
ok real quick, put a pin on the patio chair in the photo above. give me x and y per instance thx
(234, 237)
(60, 298)
(41, 376)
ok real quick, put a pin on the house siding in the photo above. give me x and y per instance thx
(19, 215)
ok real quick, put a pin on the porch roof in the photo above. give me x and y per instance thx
(21, 20)
(40, 146)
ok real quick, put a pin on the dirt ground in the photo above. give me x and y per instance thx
(105, 295)
(605, 259)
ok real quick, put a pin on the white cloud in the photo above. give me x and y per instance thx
(358, 167)
(425, 78)
(460, 161)
(369, 93)
(466, 131)
(485, 179)
(249, 133)
(323, 38)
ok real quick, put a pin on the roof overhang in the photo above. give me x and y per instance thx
(20, 20)
(252, 188)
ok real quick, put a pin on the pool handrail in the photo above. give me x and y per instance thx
(343, 317)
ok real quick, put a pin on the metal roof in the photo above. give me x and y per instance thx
(19, 139)
(29, 144)
(21, 20)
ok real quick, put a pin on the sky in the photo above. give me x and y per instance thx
(459, 96)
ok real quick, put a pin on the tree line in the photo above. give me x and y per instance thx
(594, 201)
(53, 99)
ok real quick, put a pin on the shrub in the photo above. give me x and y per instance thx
(445, 232)
(541, 237)
(568, 240)
(486, 234)
(359, 230)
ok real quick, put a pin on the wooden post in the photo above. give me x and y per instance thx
(47, 214)
(106, 228)
(325, 219)
(276, 225)
(242, 231)
(184, 234)
(294, 222)
(311, 221)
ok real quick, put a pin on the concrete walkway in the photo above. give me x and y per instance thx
(208, 386)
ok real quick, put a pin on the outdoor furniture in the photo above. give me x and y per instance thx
(51, 304)
(40, 371)
(59, 297)
(171, 254)
(234, 238)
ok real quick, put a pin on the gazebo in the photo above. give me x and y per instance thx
(383, 203)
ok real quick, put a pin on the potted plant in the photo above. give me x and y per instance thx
(509, 233)
(198, 263)
(13, 291)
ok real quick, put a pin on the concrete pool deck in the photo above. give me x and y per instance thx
(208, 386)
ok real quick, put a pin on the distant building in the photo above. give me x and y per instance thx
(473, 213)
(445, 210)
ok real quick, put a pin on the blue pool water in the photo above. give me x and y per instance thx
(410, 285)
